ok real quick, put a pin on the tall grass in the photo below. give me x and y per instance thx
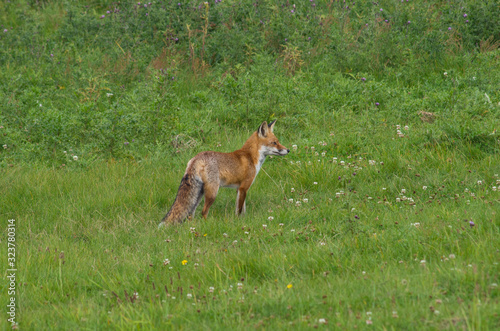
(96, 77)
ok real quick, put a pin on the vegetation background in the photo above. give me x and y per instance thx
(385, 214)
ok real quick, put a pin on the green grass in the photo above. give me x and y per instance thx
(104, 218)
(99, 118)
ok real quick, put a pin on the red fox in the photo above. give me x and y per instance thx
(208, 171)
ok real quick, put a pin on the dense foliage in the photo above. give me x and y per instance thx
(125, 79)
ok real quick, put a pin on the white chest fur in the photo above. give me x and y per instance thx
(262, 158)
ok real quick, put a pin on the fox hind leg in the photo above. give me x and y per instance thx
(210, 195)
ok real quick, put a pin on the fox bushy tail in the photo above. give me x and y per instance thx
(187, 199)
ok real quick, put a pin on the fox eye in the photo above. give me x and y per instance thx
(275, 143)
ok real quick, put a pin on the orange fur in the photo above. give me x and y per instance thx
(208, 171)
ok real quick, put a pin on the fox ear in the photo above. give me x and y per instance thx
(271, 125)
(263, 129)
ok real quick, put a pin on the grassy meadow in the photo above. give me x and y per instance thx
(385, 214)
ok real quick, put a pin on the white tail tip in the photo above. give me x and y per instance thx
(161, 225)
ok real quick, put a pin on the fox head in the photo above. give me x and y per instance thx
(269, 144)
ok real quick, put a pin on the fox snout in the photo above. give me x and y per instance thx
(275, 149)
(284, 151)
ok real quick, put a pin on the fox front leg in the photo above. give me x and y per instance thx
(240, 201)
